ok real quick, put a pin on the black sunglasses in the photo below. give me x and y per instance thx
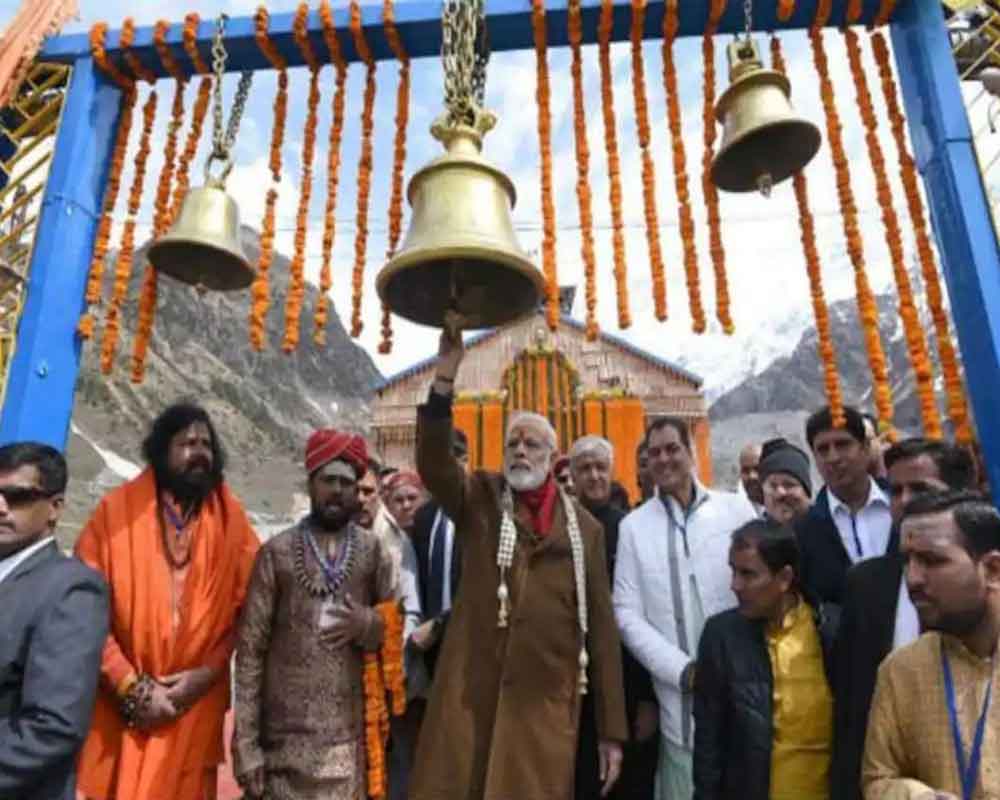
(21, 496)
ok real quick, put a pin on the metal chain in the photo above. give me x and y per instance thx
(748, 15)
(464, 55)
(222, 143)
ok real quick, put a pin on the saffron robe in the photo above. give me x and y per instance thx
(156, 632)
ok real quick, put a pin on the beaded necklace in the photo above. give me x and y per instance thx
(336, 572)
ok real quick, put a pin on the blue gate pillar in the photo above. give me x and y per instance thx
(960, 208)
(43, 373)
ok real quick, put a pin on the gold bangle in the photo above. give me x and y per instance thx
(125, 684)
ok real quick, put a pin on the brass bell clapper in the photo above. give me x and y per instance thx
(763, 141)
(461, 253)
(203, 247)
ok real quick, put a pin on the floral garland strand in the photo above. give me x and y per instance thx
(807, 225)
(957, 405)
(297, 283)
(543, 101)
(260, 290)
(182, 182)
(399, 155)
(365, 164)
(322, 312)
(684, 213)
(867, 309)
(785, 10)
(885, 11)
(916, 342)
(648, 170)
(614, 163)
(382, 674)
(162, 217)
(575, 22)
(711, 194)
(95, 281)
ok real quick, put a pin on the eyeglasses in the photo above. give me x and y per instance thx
(21, 496)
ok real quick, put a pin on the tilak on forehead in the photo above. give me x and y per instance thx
(338, 469)
(329, 446)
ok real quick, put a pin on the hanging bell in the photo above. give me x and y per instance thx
(460, 252)
(203, 246)
(763, 141)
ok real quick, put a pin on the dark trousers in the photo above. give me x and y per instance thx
(639, 760)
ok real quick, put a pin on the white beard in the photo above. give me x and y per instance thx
(525, 480)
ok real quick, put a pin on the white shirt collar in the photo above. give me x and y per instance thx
(12, 562)
(876, 497)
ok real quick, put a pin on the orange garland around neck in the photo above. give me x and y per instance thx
(867, 308)
(684, 213)
(575, 23)
(955, 399)
(614, 163)
(365, 163)
(807, 225)
(543, 101)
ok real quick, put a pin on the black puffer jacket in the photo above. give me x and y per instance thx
(732, 705)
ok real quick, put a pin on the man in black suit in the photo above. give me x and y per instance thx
(850, 519)
(878, 616)
(439, 566)
(55, 621)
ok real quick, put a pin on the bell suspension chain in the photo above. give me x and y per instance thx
(222, 142)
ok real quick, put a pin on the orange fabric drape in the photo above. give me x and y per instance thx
(631, 430)
(593, 422)
(544, 390)
(22, 39)
(493, 433)
(703, 450)
(122, 541)
(464, 414)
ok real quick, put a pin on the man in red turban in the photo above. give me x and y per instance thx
(310, 615)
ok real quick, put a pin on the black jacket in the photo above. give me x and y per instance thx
(55, 623)
(824, 560)
(867, 630)
(732, 705)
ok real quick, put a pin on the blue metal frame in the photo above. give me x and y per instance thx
(40, 394)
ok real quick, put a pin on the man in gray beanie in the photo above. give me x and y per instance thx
(786, 480)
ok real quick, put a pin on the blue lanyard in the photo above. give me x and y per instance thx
(968, 772)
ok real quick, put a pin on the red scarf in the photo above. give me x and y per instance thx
(541, 505)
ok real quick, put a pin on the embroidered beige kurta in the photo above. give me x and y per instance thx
(909, 750)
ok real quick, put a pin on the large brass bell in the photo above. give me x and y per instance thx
(203, 248)
(763, 141)
(460, 252)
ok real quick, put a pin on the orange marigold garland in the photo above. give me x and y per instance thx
(684, 213)
(575, 23)
(182, 182)
(542, 100)
(382, 675)
(123, 266)
(614, 162)
(867, 309)
(807, 225)
(711, 194)
(297, 283)
(885, 10)
(648, 170)
(260, 291)
(956, 402)
(332, 172)
(364, 168)
(854, 9)
(916, 342)
(785, 9)
(95, 281)
(399, 155)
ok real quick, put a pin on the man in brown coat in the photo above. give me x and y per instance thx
(531, 629)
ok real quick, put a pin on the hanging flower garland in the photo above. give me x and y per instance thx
(162, 217)
(364, 168)
(916, 342)
(785, 10)
(614, 163)
(684, 213)
(958, 411)
(182, 182)
(807, 225)
(123, 265)
(867, 309)
(322, 312)
(575, 23)
(854, 9)
(711, 194)
(382, 674)
(399, 154)
(648, 170)
(297, 283)
(95, 281)
(885, 11)
(543, 100)
(260, 290)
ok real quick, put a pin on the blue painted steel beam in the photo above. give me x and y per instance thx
(42, 380)
(419, 24)
(960, 207)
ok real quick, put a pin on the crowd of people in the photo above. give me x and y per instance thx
(767, 644)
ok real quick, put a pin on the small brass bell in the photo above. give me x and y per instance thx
(763, 141)
(460, 252)
(203, 247)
